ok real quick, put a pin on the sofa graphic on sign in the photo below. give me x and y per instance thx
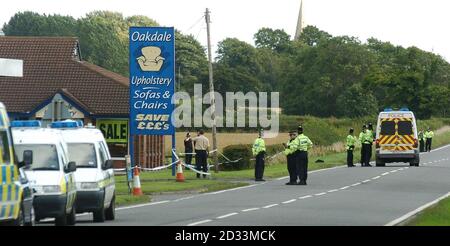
(151, 59)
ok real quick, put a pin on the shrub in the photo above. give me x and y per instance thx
(234, 152)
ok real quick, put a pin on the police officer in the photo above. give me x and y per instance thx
(361, 140)
(259, 151)
(429, 134)
(421, 141)
(304, 143)
(350, 146)
(368, 142)
(201, 152)
(290, 149)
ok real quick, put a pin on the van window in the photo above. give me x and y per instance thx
(83, 154)
(387, 128)
(5, 157)
(103, 156)
(405, 128)
(45, 156)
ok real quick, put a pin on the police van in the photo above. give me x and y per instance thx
(50, 170)
(396, 137)
(16, 195)
(94, 175)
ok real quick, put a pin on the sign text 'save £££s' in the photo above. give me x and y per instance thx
(152, 80)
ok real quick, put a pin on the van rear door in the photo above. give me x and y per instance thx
(397, 136)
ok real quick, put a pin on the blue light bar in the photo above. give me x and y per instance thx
(388, 110)
(26, 123)
(404, 109)
(64, 124)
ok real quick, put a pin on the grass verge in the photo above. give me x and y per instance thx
(438, 215)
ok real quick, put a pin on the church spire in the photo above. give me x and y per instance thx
(300, 22)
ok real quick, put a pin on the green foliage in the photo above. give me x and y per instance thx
(318, 74)
(235, 152)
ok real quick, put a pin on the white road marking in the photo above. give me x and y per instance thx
(394, 171)
(226, 215)
(249, 209)
(377, 177)
(304, 197)
(356, 184)
(271, 205)
(416, 211)
(320, 194)
(184, 198)
(366, 181)
(290, 201)
(315, 171)
(142, 205)
(199, 222)
(384, 174)
(331, 191)
(344, 188)
(233, 189)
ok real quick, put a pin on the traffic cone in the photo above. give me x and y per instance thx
(137, 191)
(180, 176)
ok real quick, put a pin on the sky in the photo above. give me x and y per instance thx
(419, 23)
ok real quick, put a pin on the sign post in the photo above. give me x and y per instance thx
(152, 83)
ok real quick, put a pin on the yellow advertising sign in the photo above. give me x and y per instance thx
(114, 130)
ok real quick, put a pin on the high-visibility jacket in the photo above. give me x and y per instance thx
(259, 146)
(303, 142)
(291, 147)
(351, 142)
(429, 134)
(421, 136)
(362, 136)
(368, 137)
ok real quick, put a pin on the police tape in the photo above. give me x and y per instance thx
(184, 154)
(159, 168)
(192, 168)
(270, 157)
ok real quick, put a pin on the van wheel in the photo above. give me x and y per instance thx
(110, 213)
(32, 219)
(61, 220)
(413, 164)
(71, 218)
(380, 164)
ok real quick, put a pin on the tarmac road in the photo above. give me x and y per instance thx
(338, 196)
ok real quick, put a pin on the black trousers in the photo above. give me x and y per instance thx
(201, 162)
(422, 145)
(292, 167)
(428, 144)
(302, 165)
(350, 158)
(259, 166)
(367, 148)
(188, 157)
(361, 160)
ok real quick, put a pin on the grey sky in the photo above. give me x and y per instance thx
(404, 22)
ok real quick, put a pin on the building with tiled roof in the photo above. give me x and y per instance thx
(57, 85)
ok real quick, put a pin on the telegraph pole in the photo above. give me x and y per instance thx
(211, 89)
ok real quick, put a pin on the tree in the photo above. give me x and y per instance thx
(276, 40)
(312, 36)
(356, 102)
(33, 24)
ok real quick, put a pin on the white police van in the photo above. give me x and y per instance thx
(396, 138)
(94, 175)
(49, 170)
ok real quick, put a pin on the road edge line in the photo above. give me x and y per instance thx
(416, 211)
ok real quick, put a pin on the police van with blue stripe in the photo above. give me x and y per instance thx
(94, 175)
(49, 169)
(16, 195)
